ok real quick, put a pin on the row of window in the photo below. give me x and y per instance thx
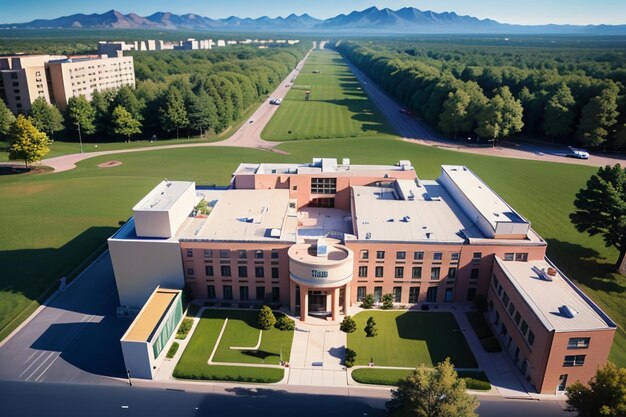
(510, 308)
(242, 271)
(227, 293)
(416, 272)
(241, 254)
(414, 293)
(417, 256)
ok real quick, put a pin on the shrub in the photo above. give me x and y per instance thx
(475, 384)
(350, 358)
(173, 350)
(387, 301)
(203, 207)
(480, 302)
(184, 328)
(348, 325)
(491, 344)
(368, 301)
(266, 318)
(285, 323)
(370, 328)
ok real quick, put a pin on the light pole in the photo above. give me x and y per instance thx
(80, 138)
(130, 382)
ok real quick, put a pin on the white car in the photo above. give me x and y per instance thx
(577, 153)
(277, 101)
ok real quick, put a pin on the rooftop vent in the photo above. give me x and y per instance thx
(406, 219)
(429, 235)
(275, 233)
(411, 196)
(368, 235)
(567, 311)
(542, 274)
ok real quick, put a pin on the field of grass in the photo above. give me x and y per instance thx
(409, 339)
(337, 107)
(240, 331)
(476, 380)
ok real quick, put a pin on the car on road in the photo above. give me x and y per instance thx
(577, 153)
(407, 112)
(272, 101)
(277, 101)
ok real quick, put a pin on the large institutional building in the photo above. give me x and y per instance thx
(318, 237)
(24, 78)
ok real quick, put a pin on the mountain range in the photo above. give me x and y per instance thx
(371, 20)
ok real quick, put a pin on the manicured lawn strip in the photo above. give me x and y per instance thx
(337, 108)
(476, 380)
(231, 373)
(184, 328)
(172, 351)
(410, 339)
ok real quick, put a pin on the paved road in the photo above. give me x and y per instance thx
(415, 131)
(247, 136)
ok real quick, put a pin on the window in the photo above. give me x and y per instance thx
(260, 293)
(210, 292)
(431, 295)
(380, 254)
(242, 254)
(434, 273)
(225, 270)
(509, 256)
(401, 255)
(574, 360)
(258, 254)
(437, 256)
(521, 257)
(451, 273)
(208, 270)
(448, 295)
(228, 292)
(323, 185)
(275, 293)
(224, 253)
(379, 272)
(418, 256)
(397, 294)
(518, 318)
(494, 281)
(505, 299)
(578, 343)
(242, 271)
(363, 272)
(259, 271)
(511, 309)
(416, 272)
(322, 202)
(531, 338)
(399, 272)
(190, 272)
(454, 257)
(360, 293)
(477, 256)
(378, 293)
(189, 253)
(274, 254)
(275, 273)
(524, 327)
(365, 254)
(414, 294)
(243, 293)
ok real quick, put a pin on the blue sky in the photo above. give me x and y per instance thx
(508, 11)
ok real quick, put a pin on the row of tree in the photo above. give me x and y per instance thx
(495, 101)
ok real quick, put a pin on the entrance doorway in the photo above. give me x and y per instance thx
(317, 302)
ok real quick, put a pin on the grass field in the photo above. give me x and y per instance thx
(473, 379)
(409, 339)
(240, 331)
(337, 107)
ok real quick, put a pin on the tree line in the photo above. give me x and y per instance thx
(197, 92)
(566, 95)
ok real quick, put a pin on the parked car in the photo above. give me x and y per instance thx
(278, 101)
(272, 101)
(577, 153)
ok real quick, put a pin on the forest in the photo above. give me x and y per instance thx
(177, 93)
(491, 90)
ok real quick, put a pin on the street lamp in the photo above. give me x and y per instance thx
(80, 138)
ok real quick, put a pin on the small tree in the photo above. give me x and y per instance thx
(367, 302)
(27, 142)
(435, 392)
(266, 318)
(350, 358)
(605, 395)
(370, 328)
(285, 323)
(81, 113)
(387, 300)
(45, 117)
(124, 123)
(6, 119)
(348, 325)
(203, 207)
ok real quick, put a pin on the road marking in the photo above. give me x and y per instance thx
(32, 354)
(47, 367)
(40, 365)
(43, 352)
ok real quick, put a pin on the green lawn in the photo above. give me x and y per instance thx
(473, 379)
(337, 107)
(240, 331)
(409, 339)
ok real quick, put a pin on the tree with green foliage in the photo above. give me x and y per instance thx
(454, 115)
(124, 124)
(348, 325)
(435, 392)
(125, 97)
(6, 119)
(285, 323)
(350, 358)
(387, 300)
(502, 117)
(559, 113)
(367, 302)
(27, 143)
(370, 328)
(202, 113)
(605, 396)
(81, 113)
(173, 112)
(266, 318)
(598, 118)
(45, 117)
(601, 209)
(203, 207)
(101, 101)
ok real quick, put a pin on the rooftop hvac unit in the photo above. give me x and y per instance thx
(368, 235)
(411, 196)
(345, 161)
(567, 311)
(542, 274)
(275, 233)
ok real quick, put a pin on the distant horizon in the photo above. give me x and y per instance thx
(528, 12)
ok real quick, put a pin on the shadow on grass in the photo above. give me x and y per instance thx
(261, 354)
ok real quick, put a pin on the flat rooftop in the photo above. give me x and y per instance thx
(410, 211)
(322, 166)
(490, 205)
(545, 298)
(150, 315)
(163, 196)
(247, 215)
